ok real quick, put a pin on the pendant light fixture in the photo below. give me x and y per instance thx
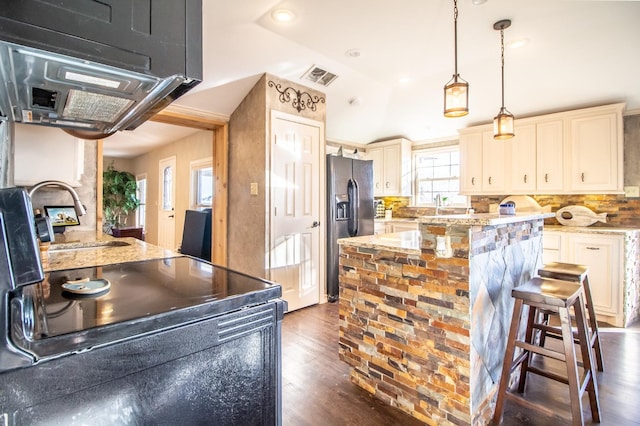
(456, 92)
(503, 122)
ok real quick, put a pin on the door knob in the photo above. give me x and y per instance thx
(315, 224)
(170, 216)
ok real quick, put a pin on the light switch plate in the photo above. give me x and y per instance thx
(632, 191)
(254, 188)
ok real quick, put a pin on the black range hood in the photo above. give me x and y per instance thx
(95, 68)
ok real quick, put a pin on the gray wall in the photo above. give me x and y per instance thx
(249, 157)
(632, 150)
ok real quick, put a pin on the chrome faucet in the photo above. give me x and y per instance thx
(438, 203)
(77, 204)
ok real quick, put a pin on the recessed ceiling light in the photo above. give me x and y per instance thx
(353, 53)
(404, 80)
(478, 2)
(283, 15)
(518, 43)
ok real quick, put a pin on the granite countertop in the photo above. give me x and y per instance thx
(84, 249)
(404, 242)
(592, 229)
(483, 219)
(397, 219)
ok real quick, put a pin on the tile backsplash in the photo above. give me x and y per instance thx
(621, 211)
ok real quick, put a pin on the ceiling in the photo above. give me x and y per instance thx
(578, 53)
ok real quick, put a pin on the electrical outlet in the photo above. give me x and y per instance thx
(254, 188)
(632, 191)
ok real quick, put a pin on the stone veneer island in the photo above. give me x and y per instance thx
(424, 315)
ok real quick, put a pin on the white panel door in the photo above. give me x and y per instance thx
(167, 203)
(295, 261)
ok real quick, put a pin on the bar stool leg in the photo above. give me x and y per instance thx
(572, 366)
(528, 338)
(587, 360)
(506, 365)
(594, 339)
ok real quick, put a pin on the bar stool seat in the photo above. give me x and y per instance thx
(580, 274)
(557, 297)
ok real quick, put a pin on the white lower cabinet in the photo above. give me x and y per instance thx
(401, 226)
(380, 227)
(604, 256)
(387, 227)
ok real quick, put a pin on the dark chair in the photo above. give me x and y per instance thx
(196, 235)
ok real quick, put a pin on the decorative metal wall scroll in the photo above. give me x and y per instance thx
(300, 100)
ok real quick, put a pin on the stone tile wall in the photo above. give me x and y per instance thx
(427, 334)
(621, 211)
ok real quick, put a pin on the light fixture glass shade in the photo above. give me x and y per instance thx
(503, 125)
(456, 97)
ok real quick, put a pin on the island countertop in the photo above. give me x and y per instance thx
(483, 219)
(85, 249)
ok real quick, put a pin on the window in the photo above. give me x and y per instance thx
(437, 171)
(201, 184)
(141, 193)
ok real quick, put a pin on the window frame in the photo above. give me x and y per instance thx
(194, 169)
(141, 211)
(435, 150)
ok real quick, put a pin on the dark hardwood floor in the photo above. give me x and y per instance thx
(317, 391)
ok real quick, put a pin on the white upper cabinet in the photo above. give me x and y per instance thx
(549, 157)
(574, 152)
(596, 152)
(391, 167)
(483, 163)
(523, 159)
(493, 162)
(471, 161)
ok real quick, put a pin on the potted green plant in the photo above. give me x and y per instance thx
(119, 197)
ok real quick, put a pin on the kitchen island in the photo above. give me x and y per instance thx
(424, 315)
(173, 340)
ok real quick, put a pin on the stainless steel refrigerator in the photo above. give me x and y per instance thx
(350, 209)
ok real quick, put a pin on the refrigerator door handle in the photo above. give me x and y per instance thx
(354, 202)
(351, 224)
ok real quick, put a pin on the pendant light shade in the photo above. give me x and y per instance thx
(503, 122)
(456, 97)
(503, 125)
(456, 91)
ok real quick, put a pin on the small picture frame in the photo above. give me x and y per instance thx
(61, 216)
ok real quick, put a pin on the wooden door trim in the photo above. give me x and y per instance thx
(220, 142)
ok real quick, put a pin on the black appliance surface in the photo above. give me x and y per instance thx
(223, 370)
(350, 209)
(144, 297)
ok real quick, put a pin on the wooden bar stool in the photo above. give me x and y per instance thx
(557, 297)
(579, 274)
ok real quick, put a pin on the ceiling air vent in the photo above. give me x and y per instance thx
(319, 76)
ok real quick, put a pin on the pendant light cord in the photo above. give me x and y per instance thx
(502, 62)
(455, 37)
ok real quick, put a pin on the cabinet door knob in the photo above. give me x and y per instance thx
(593, 248)
(473, 181)
(525, 178)
(546, 177)
(489, 180)
(582, 176)
(387, 184)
